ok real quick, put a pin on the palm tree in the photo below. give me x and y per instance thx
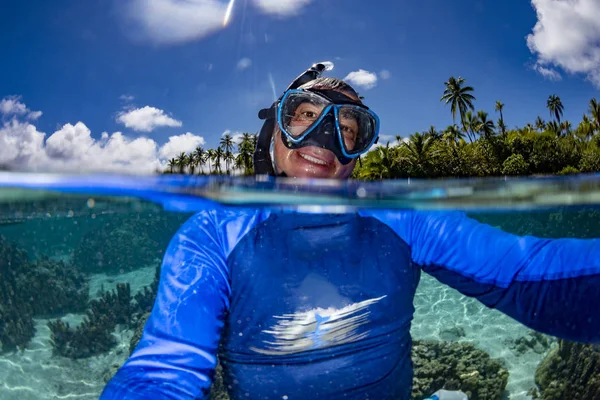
(585, 130)
(470, 124)
(210, 155)
(182, 162)
(380, 163)
(192, 162)
(458, 96)
(218, 155)
(199, 155)
(595, 113)
(228, 157)
(227, 145)
(566, 127)
(502, 127)
(553, 127)
(245, 152)
(555, 106)
(452, 134)
(399, 139)
(499, 108)
(540, 124)
(485, 127)
(419, 149)
(172, 164)
(433, 133)
(528, 128)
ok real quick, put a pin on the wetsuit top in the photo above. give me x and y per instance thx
(307, 306)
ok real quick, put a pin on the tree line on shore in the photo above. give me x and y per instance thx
(476, 146)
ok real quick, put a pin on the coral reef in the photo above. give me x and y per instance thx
(53, 287)
(570, 371)
(16, 310)
(94, 335)
(139, 330)
(144, 300)
(42, 288)
(456, 366)
(534, 341)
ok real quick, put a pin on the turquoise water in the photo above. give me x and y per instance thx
(69, 239)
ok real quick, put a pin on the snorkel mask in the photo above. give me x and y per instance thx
(316, 117)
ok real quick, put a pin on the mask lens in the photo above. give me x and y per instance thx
(358, 128)
(300, 112)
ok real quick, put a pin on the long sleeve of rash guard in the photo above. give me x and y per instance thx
(176, 356)
(550, 285)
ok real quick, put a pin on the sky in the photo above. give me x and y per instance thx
(125, 85)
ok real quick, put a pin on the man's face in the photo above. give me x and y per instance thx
(312, 161)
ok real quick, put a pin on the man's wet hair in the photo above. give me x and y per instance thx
(331, 83)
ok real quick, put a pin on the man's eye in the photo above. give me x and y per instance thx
(309, 114)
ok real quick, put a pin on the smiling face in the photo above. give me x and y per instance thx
(312, 161)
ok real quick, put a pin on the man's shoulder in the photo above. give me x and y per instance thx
(225, 225)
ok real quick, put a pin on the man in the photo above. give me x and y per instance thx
(314, 306)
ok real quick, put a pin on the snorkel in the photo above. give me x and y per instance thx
(263, 165)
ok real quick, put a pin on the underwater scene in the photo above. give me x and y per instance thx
(80, 264)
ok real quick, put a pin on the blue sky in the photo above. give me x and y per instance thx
(167, 75)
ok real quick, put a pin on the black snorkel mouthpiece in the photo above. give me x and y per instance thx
(263, 165)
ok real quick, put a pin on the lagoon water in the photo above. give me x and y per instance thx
(69, 239)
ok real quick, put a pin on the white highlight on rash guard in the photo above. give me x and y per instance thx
(317, 328)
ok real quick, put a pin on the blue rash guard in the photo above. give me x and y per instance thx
(307, 306)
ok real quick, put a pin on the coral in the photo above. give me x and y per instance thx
(536, 341)
(570, 371)
(94, 335)
(137, 335)
(16, 311)
(456, 366)
(53, 287)
(144, 299)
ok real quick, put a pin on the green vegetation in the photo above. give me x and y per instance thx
(570, 371)
(210, 160)
(475, 147)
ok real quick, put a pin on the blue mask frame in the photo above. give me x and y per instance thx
(338, 148)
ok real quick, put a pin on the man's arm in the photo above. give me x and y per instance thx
(176, 356)
(550, 285)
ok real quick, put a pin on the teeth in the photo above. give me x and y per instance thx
(312, 159)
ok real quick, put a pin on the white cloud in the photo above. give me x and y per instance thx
(174, 21)
(547, 73)
(73, 149)
(567, 35)
(281, 7)
(146, 119)
(12, 106)
(244, 63)
(362, 78)
(385, 74)
(185, 143)
(20, 143)
(126, 98)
